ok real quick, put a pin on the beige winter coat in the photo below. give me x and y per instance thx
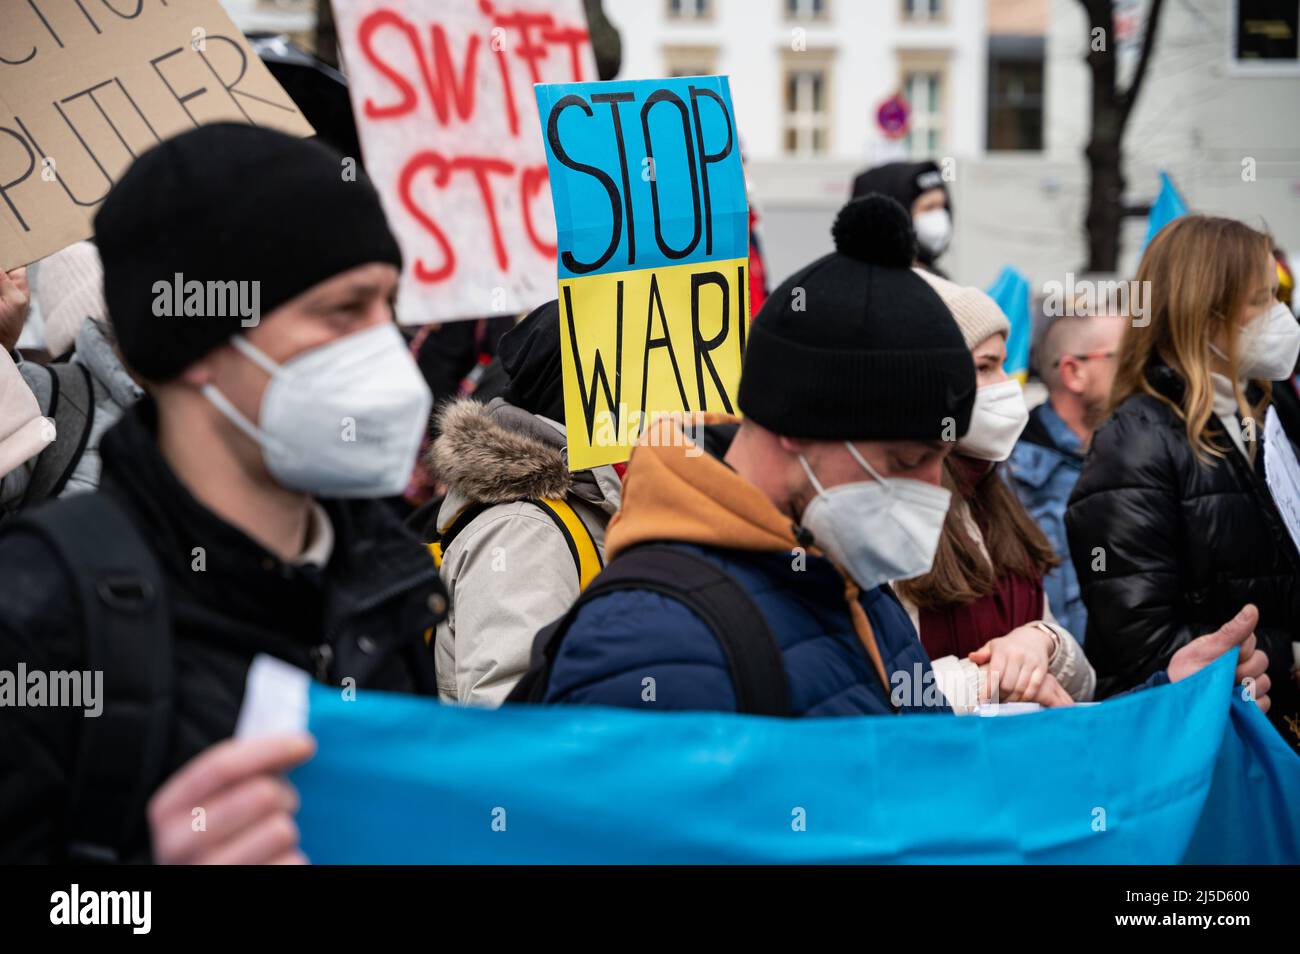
(509, 572)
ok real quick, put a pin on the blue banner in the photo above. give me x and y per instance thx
(1135, 780)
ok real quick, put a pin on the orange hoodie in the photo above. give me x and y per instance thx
(675, 490)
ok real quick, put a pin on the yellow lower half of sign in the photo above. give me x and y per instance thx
(640, 343)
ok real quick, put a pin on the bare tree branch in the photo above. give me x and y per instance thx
(1144, 60)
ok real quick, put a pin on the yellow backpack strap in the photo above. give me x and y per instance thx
(586, 555)
(462, 519)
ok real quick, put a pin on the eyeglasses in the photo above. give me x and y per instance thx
(1086, 356)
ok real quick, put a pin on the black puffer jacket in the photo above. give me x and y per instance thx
(1168, 548)
(363, 615)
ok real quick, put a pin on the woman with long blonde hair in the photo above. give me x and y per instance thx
(1171, 525)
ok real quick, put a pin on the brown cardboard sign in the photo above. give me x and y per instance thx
(88, 85)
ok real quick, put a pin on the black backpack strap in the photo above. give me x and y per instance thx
(440, 540)
(423, 521)
(753, 657)
(72, 405)
(119, 586)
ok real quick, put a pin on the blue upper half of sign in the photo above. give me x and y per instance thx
(644, 173)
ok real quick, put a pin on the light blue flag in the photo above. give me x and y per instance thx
(1011, 291)
(400, 779)
(1168, 206)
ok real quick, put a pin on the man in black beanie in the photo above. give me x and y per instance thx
(517, 534)
(754, 577)
(250, 279)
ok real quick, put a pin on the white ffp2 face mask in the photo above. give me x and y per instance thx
(933, 230)
(996, 422)
(876, 530)
(343, 419)
(1269, 345)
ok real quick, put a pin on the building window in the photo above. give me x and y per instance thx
(690, 61)
(806, 109)
(922, 10)
(1015, 112)
(1266, 32)
(806, 9)
(923, 90)
(690, 9)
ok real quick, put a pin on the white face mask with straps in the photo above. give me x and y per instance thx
(933, 230)
(996, 422)
(344, 419)
(1268, 345)
(876, 530)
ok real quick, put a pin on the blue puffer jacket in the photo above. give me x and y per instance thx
(621, 639)
(1042, 471)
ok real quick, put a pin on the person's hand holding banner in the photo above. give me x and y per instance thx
(1237, 633)
(231, 805)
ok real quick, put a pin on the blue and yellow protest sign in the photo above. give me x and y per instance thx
(653, 242)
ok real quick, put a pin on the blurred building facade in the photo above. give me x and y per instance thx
(1003, 89)
(295, 18)
(999, 87)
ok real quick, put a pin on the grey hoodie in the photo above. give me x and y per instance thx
(114, 392)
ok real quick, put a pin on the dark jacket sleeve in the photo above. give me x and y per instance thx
(1124, 524)
(40, 629)
(639, 649)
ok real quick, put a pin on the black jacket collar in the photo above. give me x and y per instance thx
(374, 556)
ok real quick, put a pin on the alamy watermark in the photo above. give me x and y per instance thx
(1073, 299)
(133, 909)
(36, 688)
(179, 298)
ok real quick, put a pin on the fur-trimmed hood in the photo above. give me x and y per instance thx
(497, 453)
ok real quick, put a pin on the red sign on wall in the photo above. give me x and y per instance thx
(892, 116)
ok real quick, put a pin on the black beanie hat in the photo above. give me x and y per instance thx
(228, 203)
(530, 355)
(856, 346)
(903, 182)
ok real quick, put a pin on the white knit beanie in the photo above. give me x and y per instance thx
(69, 286)
(977, 315)
(23, 432)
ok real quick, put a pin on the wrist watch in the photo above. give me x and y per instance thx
(1052, 632)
